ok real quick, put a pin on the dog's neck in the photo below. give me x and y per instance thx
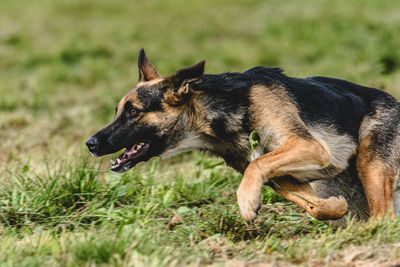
(220, 126)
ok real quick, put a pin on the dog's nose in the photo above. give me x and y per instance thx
(93, 144)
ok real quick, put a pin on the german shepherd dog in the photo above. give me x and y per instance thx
(309, 129)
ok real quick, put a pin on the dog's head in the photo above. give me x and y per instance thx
(146, 116)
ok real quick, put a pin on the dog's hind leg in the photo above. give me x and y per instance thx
(294, 155)
(378, 157)
(302, 194)
(378, 178)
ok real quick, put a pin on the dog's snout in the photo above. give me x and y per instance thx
(93, 145)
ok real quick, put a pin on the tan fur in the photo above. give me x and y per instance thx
(304, 196)
(150, 83)
(340, 147)
(378, 180)
(177, 97)
(132, 96)
(147, 71)
(120, 106)
(275, 112)
(296, 153)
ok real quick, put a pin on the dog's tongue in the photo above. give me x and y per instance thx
(134, 149)
(130, 151)
(128, 154)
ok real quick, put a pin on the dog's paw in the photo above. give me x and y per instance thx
(340, 206)
(249, 203)
(332, 208)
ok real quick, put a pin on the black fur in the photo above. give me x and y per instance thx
(151, 97)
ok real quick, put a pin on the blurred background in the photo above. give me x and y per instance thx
(65, 64)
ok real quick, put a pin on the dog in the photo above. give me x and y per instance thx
(312, 133)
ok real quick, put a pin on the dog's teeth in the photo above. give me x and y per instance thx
(118, 161)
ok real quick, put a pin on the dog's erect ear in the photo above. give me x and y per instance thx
(147, 71)
(186, 75)
(180, 82)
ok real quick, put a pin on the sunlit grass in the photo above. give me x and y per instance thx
(76, 215)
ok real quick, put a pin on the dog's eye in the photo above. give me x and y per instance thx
(133, 112)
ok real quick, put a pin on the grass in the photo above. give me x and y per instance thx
(65, 64)
(79, 215)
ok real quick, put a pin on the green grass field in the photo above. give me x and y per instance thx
(65, 64)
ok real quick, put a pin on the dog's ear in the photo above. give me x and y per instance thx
(180, 82)
(185, 75)
(147, 71)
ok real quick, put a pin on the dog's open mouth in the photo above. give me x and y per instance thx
(130, 157)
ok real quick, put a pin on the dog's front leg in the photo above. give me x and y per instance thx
(296, 154)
